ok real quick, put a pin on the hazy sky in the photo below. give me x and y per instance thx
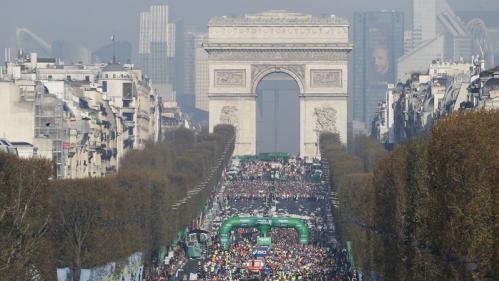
(91, 22)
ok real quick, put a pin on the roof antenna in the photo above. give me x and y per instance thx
(113, 39)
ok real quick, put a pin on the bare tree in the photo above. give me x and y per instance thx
(23, 220)
(75, 216)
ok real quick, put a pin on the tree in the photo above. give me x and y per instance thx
(86, 223)
(430, 210)
(24, 218)
(75, 218)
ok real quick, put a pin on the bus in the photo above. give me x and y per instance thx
(197, 244)
(316, 172)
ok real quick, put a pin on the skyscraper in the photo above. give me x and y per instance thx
(424, 20)
(202, 72)
(438, 33)
(157, 50)
(379, 40)
(189, 66)
(178, 82)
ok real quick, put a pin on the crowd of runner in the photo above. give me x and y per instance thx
(299, 190)
(250, 185)
(241, 190)
(287, 182)
(165, 270)
(291, 169)
(285, 260)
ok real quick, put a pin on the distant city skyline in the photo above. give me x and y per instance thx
(91, 23)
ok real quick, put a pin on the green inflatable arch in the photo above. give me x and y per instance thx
(263, 224)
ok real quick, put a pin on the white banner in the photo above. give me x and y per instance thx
(129, 270)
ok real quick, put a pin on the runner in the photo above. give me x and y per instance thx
(284, 188)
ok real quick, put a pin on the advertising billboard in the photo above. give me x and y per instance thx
(260, 252)
(381, 53)
(378, 43)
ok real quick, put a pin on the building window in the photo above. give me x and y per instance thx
(114, 75)
(107, 76)
(87, 78)
(127, 91)
(68, 77)
(104, 86)
(50, 77)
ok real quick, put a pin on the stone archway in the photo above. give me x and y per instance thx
(278, 114)
(260, 71)
(312, 50)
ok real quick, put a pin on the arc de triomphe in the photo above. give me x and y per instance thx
(312, 50)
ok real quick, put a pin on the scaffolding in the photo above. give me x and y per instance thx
(49, 124)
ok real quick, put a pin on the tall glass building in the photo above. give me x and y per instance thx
(157, 50)
(201, 72)
(378, 42)
(424, 20)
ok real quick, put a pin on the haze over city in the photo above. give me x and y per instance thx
(249, 140)
(92, 22)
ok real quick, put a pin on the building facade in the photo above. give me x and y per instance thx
(439, 33)
(196, 70)
(189, 66)
(81, 117)
(424, 20)
(411, 108)
(379, 41)
(201, 72)
(157, 49)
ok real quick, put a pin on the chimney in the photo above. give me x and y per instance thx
(33, 60)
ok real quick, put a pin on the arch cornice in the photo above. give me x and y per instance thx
(259, 71)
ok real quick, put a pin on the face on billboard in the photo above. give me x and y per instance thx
(381, 61)
(379, 54)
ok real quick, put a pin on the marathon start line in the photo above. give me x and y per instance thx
(263, 224)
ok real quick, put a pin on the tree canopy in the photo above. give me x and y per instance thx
(428, 210)
(88, 222)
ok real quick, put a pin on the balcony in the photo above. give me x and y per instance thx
(129, 123)
(128, 110)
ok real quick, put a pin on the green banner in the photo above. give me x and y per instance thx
(264, 241)
(350, 255)
(161, 254)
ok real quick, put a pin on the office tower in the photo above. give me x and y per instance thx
(178, 82)
(424, 20)
(157, 50)
(189, 66)
(202, 73)
(438, 34)
(379, 40)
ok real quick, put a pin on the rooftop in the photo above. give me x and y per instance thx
(277, 17)
(490, 72)
(46, 60)
(114, 67)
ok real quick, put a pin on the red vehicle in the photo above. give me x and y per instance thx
(255, 265)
